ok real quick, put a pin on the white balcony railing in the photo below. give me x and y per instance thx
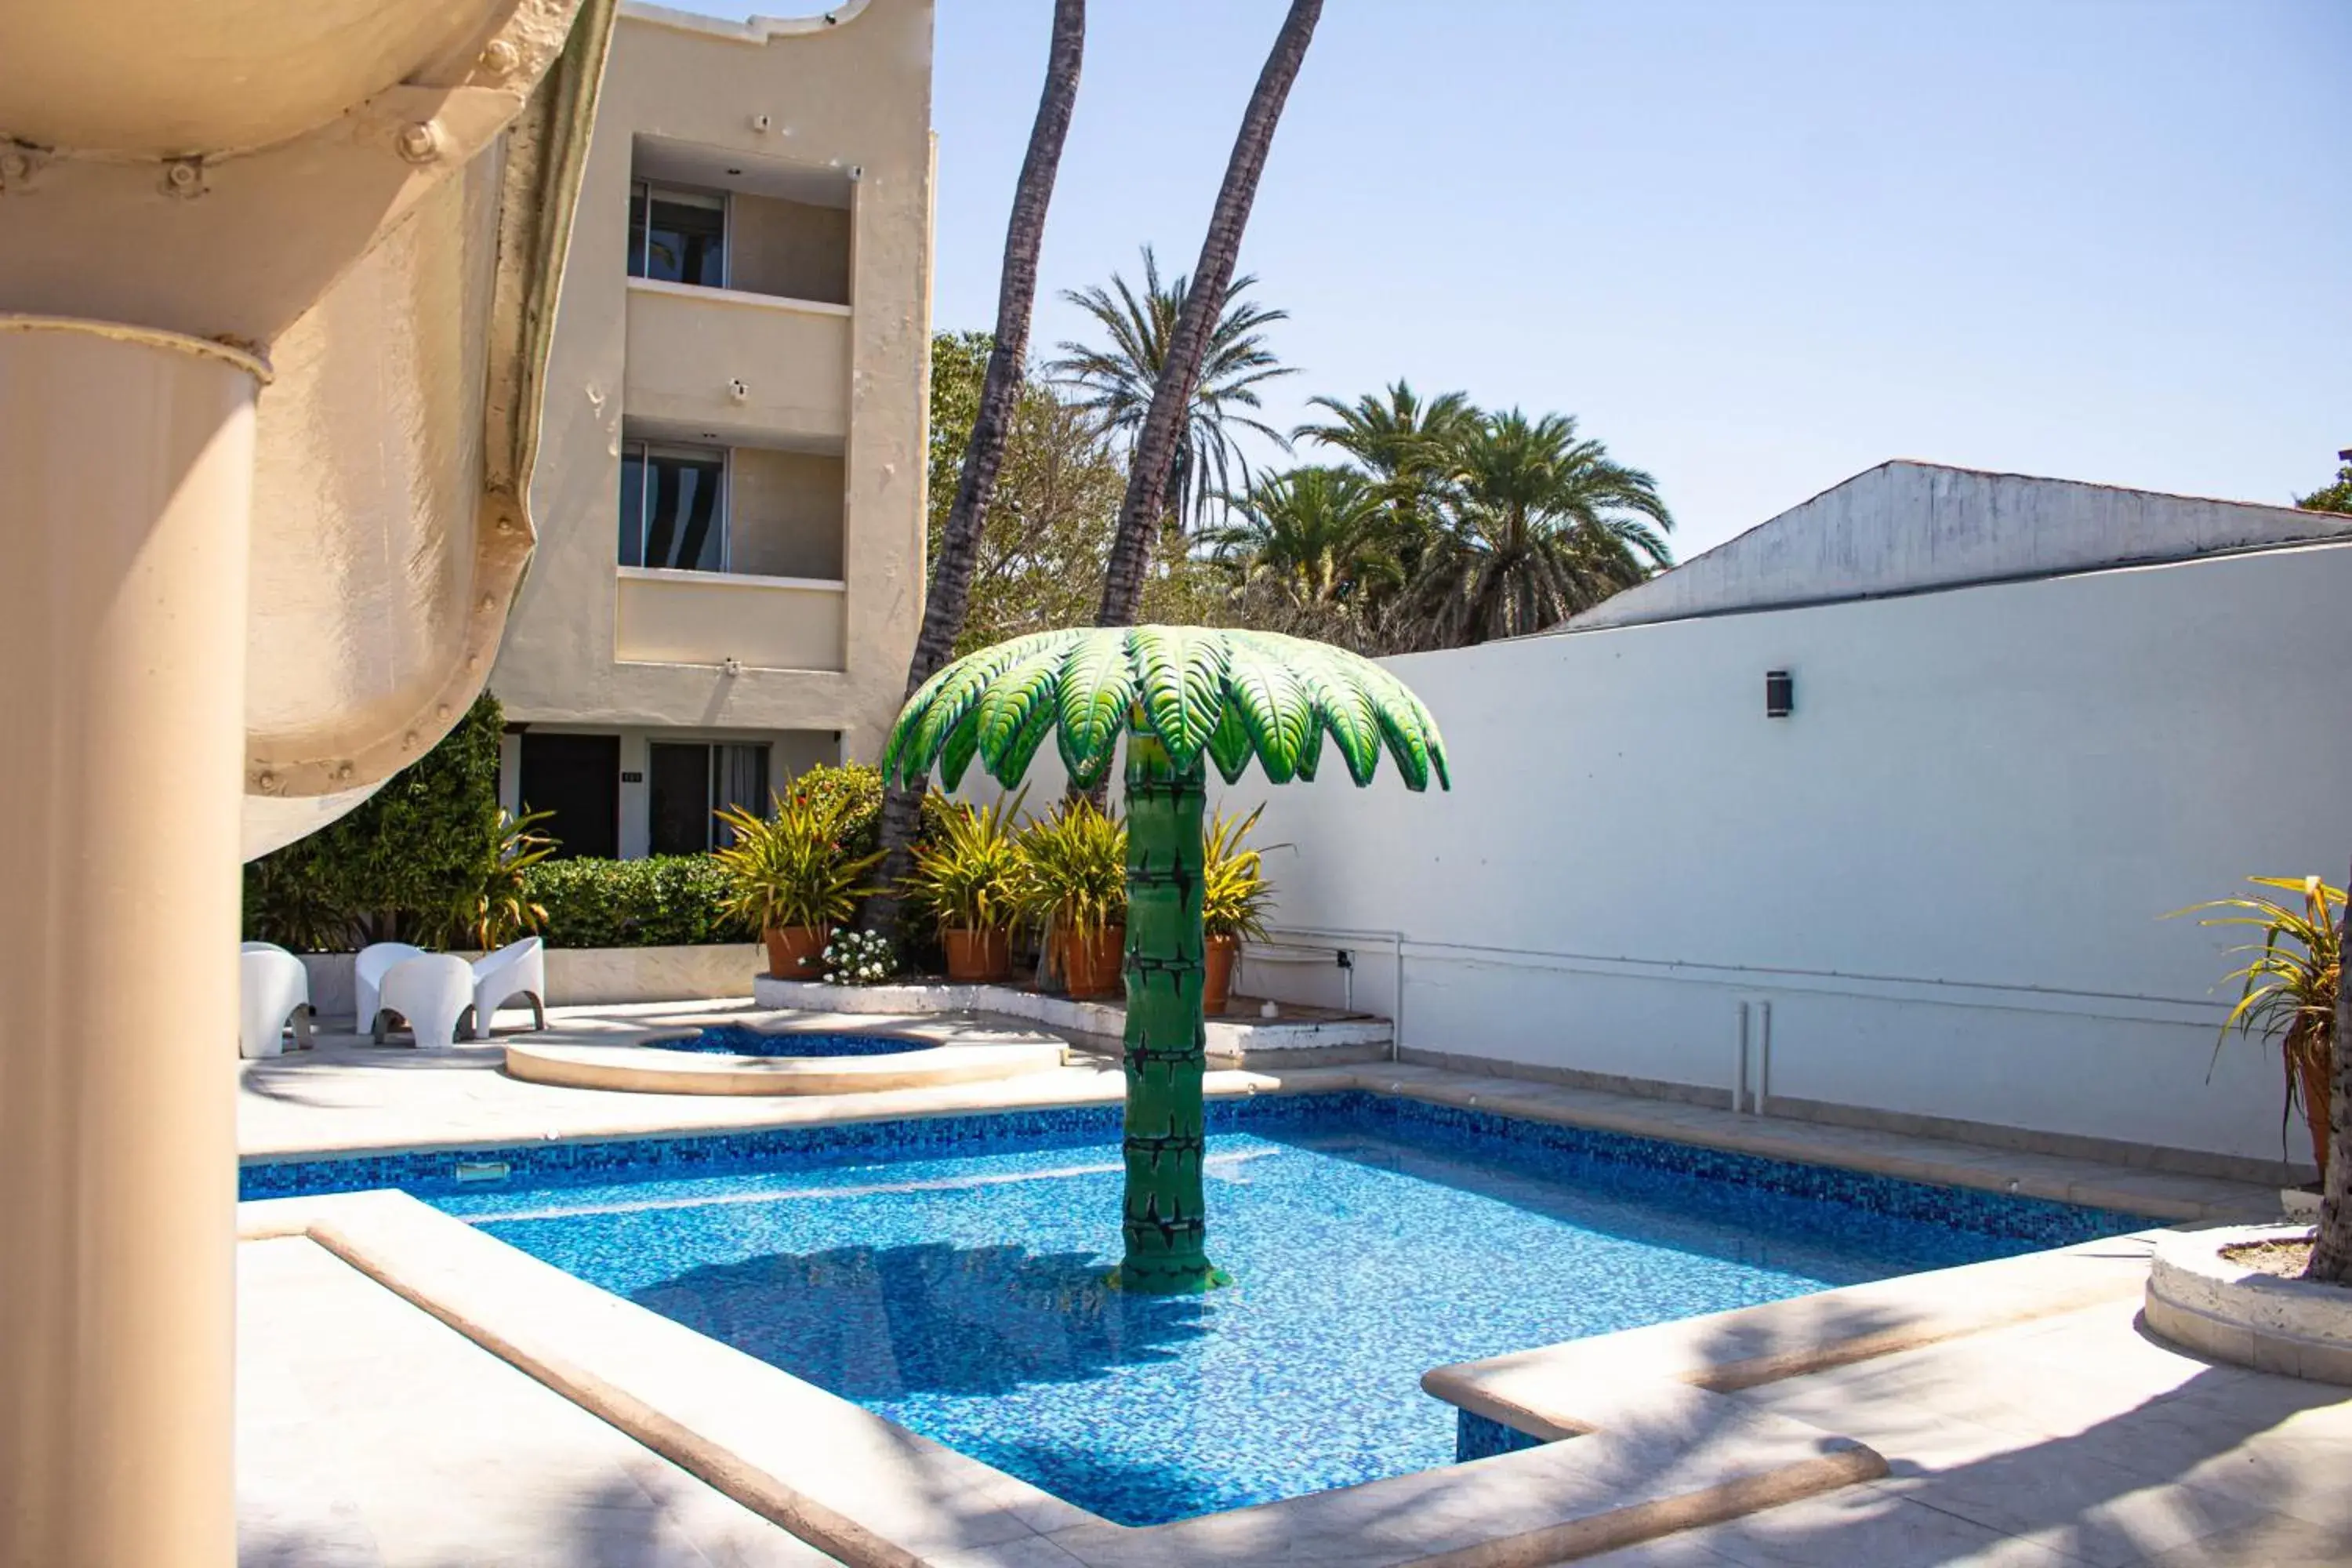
(667, 616)
(746, 367)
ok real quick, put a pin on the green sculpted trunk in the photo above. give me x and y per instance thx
(1165, 1231)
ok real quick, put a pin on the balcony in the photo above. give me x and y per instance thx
(730, 365)
(668, 617)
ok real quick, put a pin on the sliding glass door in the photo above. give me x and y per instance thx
(677, 235)
(689, 782)
(673, 506)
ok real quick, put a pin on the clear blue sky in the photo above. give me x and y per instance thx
(1755, 247)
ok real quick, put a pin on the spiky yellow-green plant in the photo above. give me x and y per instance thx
(2288, 985)
(1073, 870)
(1234, 893)
(969, 876)
(789, 867)
(1182, 697)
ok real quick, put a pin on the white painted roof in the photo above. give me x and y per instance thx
(1904, 528)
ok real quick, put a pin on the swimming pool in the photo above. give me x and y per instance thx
(741, 1040)
(947, 1274)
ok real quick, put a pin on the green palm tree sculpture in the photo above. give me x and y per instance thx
(1183, 698)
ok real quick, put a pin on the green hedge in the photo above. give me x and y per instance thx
(408, 864)
(665, 900)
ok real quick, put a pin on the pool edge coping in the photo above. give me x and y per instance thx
(1539, 1392)
(2084, 1184)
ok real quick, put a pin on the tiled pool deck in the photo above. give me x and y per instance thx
(2064, 1437)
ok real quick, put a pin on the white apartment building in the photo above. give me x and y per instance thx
(730, 570)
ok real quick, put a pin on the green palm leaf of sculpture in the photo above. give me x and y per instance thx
(1178, 697)
(1089, 684)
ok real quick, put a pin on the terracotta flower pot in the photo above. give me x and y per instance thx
(1217, 982)
(1092, 964)
(2317, 1091)
(793, 951)
(979, 957)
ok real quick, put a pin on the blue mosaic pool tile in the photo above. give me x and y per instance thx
(743, 1040)
(1619, 1161)
(1477, 1437)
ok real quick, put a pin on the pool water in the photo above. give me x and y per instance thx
(959, 1293)
(740, 1040)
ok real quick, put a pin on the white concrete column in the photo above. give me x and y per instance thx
(126, 470)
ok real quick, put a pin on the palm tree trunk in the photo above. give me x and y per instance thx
(983, 455)
(1155, 445)
(2331, 1255)
(1164, 1224)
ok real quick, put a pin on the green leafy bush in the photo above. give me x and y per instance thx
(855, 792)
(666, 901)
(411, 863)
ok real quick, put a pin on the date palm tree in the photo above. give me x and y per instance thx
(1316, 536)
(1406, 444)
(1543, 525)
(1115, 378)
(1182, 697)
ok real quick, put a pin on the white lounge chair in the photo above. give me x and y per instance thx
(368, 970)
(432, 994)
(518, 969)
(273, 990)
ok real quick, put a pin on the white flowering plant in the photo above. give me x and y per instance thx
(858, 958)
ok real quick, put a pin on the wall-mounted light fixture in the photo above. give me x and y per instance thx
(1779, 694)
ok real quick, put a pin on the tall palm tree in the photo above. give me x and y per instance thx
(1542, 525)
(1116, 379)
(1183, 698)
(1154, 455)
(1317, 536)
(1017, 293)
(1404, 443)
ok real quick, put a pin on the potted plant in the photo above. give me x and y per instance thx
(2287, 989)
(969, 877)
(789, 877)
(1072, 886)
(1234, 897)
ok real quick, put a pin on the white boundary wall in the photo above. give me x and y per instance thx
(1944, 872)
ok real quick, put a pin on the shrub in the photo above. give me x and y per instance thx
(1074, 869)
(406, 864)
(667, 900)
(968, 875)
(1234, 893)
(795, 867)
(855, 792)
(859, 958)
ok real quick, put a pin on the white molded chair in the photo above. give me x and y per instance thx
(273, 990)
(518, 969)
(432, 994)
(368, 970)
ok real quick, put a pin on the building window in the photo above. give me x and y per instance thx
(687, 784)
(674, 506)
(678, 236)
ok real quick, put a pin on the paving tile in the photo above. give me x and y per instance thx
(2275, 1541)
(1682, 1550)
(1868, 1527)
(2077, 1505)
(413, 1447)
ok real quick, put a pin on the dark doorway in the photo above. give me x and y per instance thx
(678, 819)
(577, 777)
